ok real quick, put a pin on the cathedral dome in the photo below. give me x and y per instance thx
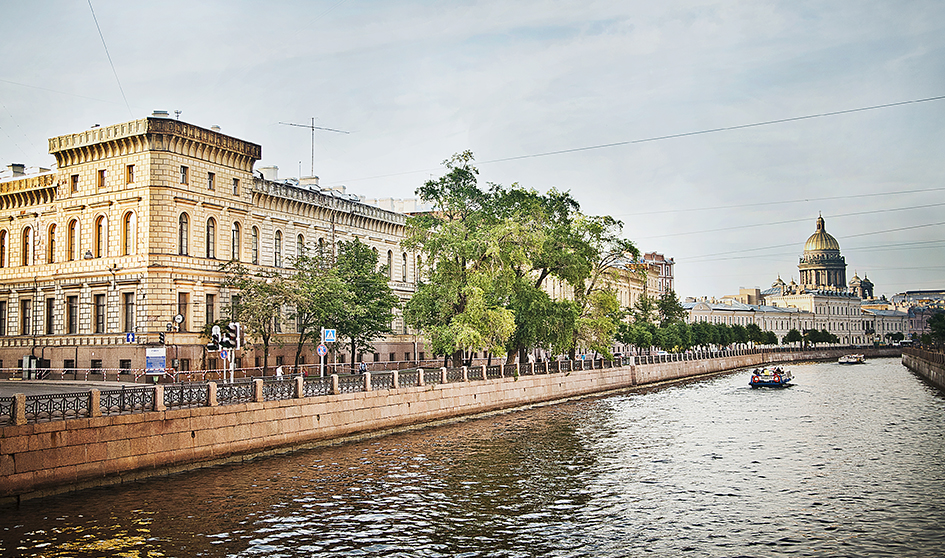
(821, 240)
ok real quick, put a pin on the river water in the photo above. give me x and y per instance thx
(848, 462)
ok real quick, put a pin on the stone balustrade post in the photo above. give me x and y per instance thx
(396, 378)
(212, 394)
(367, 381)
(335, 389)
(518, 369)
(19, 408)
(258, 391)
(484, 377)
(95, 403)
(419, 376)
(299, 387)
(442, 374)
(465, 374)
(159, 398)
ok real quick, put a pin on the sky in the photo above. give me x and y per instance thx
(527, 86)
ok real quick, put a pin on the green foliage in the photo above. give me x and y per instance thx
(262, 296)
(793, 336)
(937, 328)
(318, 298)
(644, 309)
(755, 335)
(770, 338)
(669, 309)
(597, 326)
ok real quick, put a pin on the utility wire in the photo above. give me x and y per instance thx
(109, 56)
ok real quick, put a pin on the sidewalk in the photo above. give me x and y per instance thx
(41, 387)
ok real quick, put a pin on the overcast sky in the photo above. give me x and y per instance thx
(414, 82)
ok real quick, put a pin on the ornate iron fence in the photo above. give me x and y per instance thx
(186, 395)
(316, 386)
(454, 374)
(475, 373)
(432, 377)
(350, 383)
(6, 410)
(494, 371)
(126, 400)
(237, 392)
(408, 378)
(382, 380)
(278, 390)
(58, 406)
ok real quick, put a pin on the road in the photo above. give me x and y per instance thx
(40, 387)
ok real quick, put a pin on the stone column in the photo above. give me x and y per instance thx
(465, 374)
(443, 375)
(335, 389)
(159, 398)
(299, 387)
(19, 408)
(95, 403)
(367, 381)
(212, 394)
(258, 391)
(396, 379)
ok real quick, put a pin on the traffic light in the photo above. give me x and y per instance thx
(161, 338)
(215, 340)
(231, 337)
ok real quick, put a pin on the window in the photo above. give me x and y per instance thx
(26, 255)
(99, 313)
(390, 265)
(211, 238)
(277, 252)
(51, 244)
(72, 246)
(68, 364)
(211, 302)
(100, 237)
(182, 309)
(101, 178)
(184, 174)
(299, 247)
(236, 186)
(26, 316)
(183, 230)
(124, 364)
(3, 248)
(211, 178)
(234, 306)
(3, 317)
(235, 242)
(128, 234)
(50, 306)
(403, 271)
(129, 174)
(72, 314)
(74, 183)
(254, 246)
(128, 309)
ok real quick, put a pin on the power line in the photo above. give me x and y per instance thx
(109, 56)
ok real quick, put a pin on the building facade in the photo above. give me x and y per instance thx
(121, 245)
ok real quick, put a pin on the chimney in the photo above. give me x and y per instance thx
(270, 173)
(309, 181)
(160, 114)
(215, 128)
(18, 169)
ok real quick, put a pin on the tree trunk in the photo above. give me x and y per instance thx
(458, 358)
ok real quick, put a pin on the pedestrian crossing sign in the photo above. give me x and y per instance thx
(330, 336)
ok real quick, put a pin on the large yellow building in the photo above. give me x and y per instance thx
(127, 235)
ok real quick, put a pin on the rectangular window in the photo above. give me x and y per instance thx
(96, 364)
(128, 308)
(184, 365)
(124, 364)
(72, 314)
(234, 306)
(68, 364)
(99, 313)
(182, 310)
(377, 357)
(26, 316)
(210, 180)
(50, 305)
(393, 357)
(211, 302)
(3, 317)
(279, 360)
(129, 174)
(75, 183)
(212, 364)
(406, 356)
(183, 174)
(236, 186)
(101, 178)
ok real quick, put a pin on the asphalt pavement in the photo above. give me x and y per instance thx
(42, 387)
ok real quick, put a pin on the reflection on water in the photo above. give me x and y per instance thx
(849, 462)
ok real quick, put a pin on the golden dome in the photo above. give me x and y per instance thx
(821, 240)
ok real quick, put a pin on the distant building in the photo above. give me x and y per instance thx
(663, 267)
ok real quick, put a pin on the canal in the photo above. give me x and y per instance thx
(848, 462)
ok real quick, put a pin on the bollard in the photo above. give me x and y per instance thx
(212, 394)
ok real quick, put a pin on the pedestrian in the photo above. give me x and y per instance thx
(362, 368)
(279, 371)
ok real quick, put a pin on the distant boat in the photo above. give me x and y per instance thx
(852, 359)
(770, 377)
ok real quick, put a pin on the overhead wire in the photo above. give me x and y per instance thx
(112, 64)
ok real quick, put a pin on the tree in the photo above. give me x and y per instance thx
(597, 326)
(793, 336)
(669, 308)
(755, 335)
(318, 298)
(937, 328)
(369, 305)
(771, 338)
(739, 334)
(262, 296)
(644, 309)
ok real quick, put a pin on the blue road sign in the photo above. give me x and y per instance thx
(223, 354)
(130, 337)
(330, 336)
(322, 350)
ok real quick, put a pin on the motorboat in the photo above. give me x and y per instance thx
(770, 377)
(852, 359)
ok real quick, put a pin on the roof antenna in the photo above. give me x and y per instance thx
(313, 127)
(177, 114)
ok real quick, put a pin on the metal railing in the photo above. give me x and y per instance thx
(42, 408)
(126, 400)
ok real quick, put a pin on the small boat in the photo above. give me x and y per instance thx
(770, 377)
(852, 359)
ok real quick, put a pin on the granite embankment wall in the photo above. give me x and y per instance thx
(49, 457)
(929, 365)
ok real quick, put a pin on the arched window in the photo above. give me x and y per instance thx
(254, 246)
(72, 241)
(128, 234)
(3, 249)
(235, 242)
(299, 247)
(51, 244)
(183, 232)
(321, 247)
(404, 269)
(101, 237)
(277, 251)
(211, 238)
(390, 265)
(26, 257)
